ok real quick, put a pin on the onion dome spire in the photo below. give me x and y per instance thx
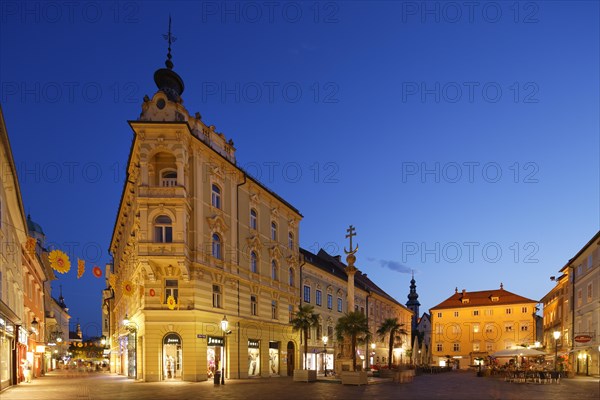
(166, 79)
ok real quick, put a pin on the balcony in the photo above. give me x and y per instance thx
(158, 192)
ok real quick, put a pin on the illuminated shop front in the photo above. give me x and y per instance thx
(7, 338)
(172, 359)
(214, 355)
(273, 358)
(253, 357)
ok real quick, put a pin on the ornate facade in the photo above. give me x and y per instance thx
(196, 239)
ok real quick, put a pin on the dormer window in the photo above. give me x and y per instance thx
(495, 298)
(464, 301)
(168, 178)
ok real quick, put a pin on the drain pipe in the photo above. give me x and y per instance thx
(237, 211)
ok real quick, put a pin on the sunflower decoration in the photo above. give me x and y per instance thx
(80, 268)
(171, 303)
(128, 288)
(59, 261)
(97, 271)
(112, 280)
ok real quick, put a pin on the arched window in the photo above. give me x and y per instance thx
(274, 231)
(216, 246)
(216, 196)
(274, 268)
(253, 219)
(168, 178)
(163, 229)
(291, 276)
(253, 262)
(290, 240)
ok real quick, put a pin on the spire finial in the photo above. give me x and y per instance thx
(170, 39)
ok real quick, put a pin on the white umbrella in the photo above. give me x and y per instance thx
(415, 349)
(521, 352)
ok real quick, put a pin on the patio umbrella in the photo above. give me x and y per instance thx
(415, 350)
(521, 352)
(423, 358)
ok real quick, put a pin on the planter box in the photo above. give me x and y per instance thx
(354, 378)
(305, 375)
(404, 376)
(387, 373)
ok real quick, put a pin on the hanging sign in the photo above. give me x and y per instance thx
(172, 338)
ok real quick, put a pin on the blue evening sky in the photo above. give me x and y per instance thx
(462, 143)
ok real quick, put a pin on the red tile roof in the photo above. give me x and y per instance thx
(482, 298)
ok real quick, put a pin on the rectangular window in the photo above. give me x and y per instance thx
(476, 346)
(456, 346)
(171, 289)
(524, 328)
(489, 328)
(508, 327)
(319, 332)
(163, 234)
(253, 305)
(524, 310)
(306, 294)
(330, 302)
(340, 304)
(456, 313)
(217, 303)
(589, 261)
(274, 309)
(439, 329)
(475, 313)
(489, 347)
(579, 297)
(439, 347)
(509, 311)
(318, 297)
(291, 312)
(589, 292)
(330, 331)
(439, 315)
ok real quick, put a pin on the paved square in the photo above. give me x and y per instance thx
(452, 385)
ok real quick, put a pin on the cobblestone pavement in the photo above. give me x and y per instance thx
(451, 385)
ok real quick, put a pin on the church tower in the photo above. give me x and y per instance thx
(413, 304)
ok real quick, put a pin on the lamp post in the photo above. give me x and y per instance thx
(325, 339)
(556, 335)
(224, 325)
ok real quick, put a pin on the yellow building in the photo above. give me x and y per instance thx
(196, 239)
(469, 326)
(558, 316)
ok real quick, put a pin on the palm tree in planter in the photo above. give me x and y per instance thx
(355, 325)
(305, 319)
(391, 327)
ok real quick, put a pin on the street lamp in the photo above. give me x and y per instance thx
(372, 353)
(556, 335)
(224, 325)
(325, 339)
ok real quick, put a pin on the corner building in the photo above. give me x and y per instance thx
(195, 240)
